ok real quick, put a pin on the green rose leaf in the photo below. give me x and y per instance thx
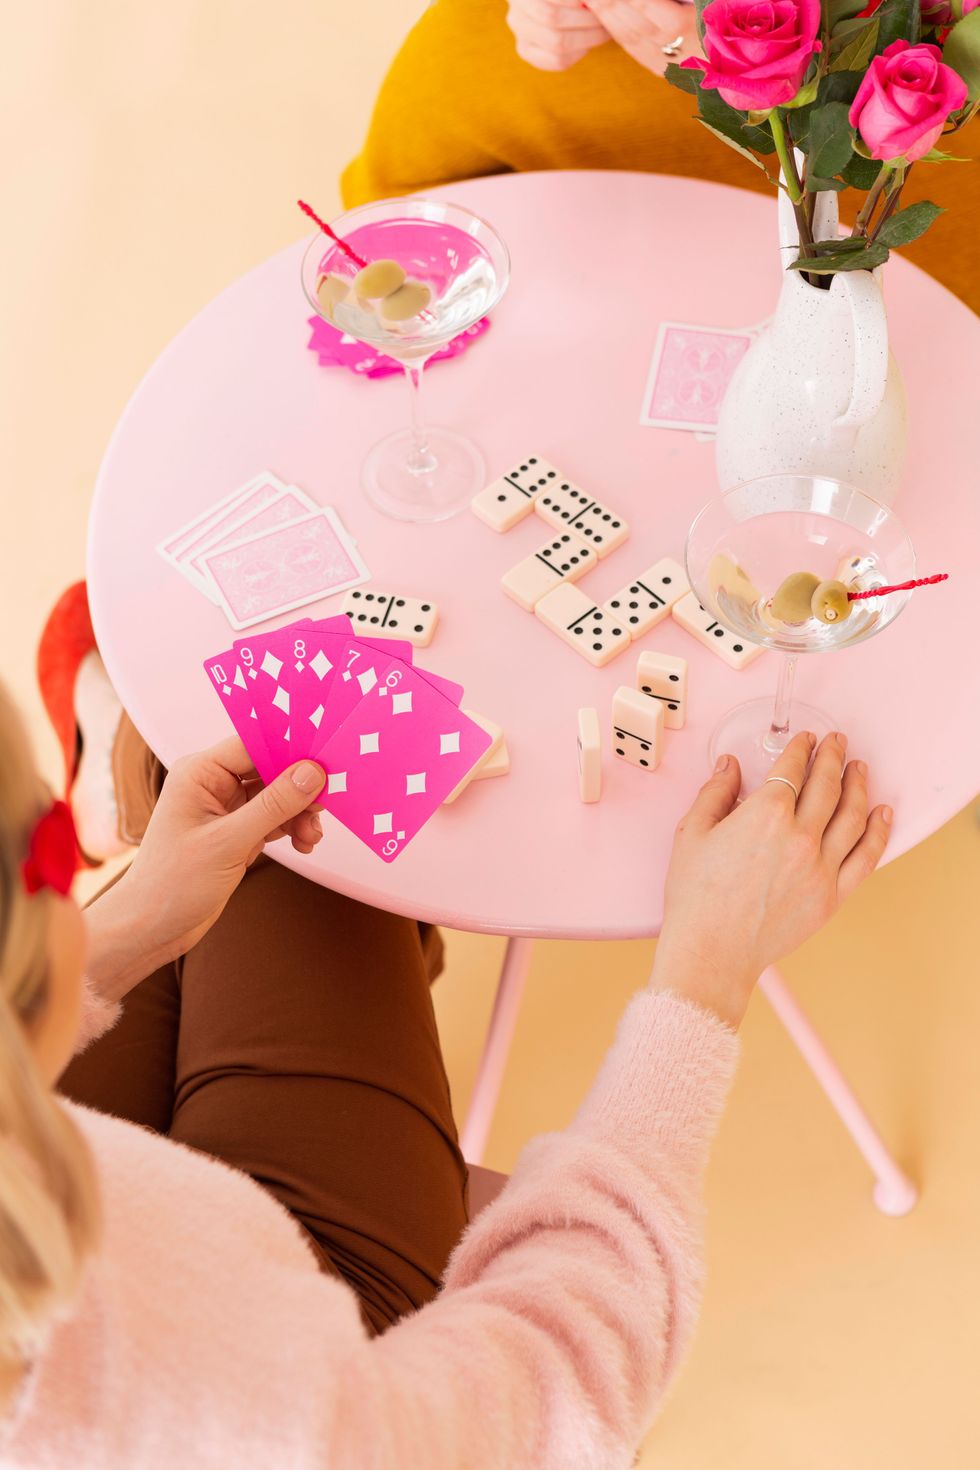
(839, 86)
(962, 52)
(898, 20)
(686, 79)
(817, 185)
(908, 224)
(843, 246)
(859, 49)
(698, 9)
(835, 12)
(734, 143)
(829, 144)
(716, 112)
(861, 172)
(829, 264)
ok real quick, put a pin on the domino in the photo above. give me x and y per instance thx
(508, 500)
(661, 676)
(638, 728)
(645, 602)
(737, 652)
(495, 760)
(582, 625)
(589, 755)
(565, 505)
(563, 560)
(386, 615)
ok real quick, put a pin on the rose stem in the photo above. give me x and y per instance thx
(899, 587)
(868, 207)
(351, 254)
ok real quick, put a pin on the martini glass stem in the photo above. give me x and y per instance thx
(778, 734)
(421, 460)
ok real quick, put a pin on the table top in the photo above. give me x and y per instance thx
(599, 259)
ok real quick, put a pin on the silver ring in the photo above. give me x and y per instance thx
(673, 48)
(785, 781)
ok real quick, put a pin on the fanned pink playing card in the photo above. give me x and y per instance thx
(396, 758)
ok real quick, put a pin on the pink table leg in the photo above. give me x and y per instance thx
(493, 1062)
(894, 1192)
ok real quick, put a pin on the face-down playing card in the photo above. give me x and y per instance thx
(395, 759)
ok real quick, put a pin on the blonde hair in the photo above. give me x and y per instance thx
(49, 1210)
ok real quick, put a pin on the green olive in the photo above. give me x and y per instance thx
(794, 595)
(406, 302)
(330, 291)
(726, 574)
(830, 602)
(379, 278)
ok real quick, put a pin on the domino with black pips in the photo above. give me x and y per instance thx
(737, 652)
(389, 615)
(638, 728)
(662, 676)
(642, 604)
(508, 500)
(589, 745)
(564, 559)
(582, 625)
(567, 505)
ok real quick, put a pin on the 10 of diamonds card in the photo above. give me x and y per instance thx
(391, 738)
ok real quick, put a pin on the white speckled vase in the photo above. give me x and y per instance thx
(818, 391)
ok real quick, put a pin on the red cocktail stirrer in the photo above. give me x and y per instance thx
(899, 587)
(351, 254)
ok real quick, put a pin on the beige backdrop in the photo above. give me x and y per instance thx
(151, 152)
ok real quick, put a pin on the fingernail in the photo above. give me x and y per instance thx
(316, 824)
(886, 815)
(308, 776)
(811, 739)
(861, 768)
(721, 764)
(841, 739)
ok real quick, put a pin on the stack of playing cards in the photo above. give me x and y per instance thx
(266, 549)
(391, 738)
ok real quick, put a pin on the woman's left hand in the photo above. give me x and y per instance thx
(644, 27)
(213, 818)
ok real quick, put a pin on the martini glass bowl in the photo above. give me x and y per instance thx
(417, 473)
(740, 548)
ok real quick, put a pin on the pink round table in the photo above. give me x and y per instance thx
(238, 391)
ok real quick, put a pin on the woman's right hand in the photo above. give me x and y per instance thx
(747, 884)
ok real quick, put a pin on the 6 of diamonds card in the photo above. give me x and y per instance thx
(690, 370)
(395, 759)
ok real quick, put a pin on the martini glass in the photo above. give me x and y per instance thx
(740, 548)
(419, 473)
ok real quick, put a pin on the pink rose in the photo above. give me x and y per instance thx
(969, 5)
(757, 50)
(904, 99)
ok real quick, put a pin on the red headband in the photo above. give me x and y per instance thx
(52, 851)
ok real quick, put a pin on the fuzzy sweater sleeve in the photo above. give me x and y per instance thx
(569, 1302)
(98, 1015)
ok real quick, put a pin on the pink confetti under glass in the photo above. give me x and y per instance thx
(337, 349)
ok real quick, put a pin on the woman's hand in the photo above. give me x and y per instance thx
(213, 819)
(748, 884)
(644, 27)
(553, 34)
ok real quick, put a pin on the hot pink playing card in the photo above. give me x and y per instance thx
(229, 678)
(689, 373)
(395, 760)
(283, 569)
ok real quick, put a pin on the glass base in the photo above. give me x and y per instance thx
(428, 495)
(745, 733)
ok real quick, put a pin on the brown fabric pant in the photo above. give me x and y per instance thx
(297, 1042)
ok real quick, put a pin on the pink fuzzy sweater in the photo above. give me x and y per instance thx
(205, 1335)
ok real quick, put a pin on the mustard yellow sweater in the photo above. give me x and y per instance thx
(458, 102)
